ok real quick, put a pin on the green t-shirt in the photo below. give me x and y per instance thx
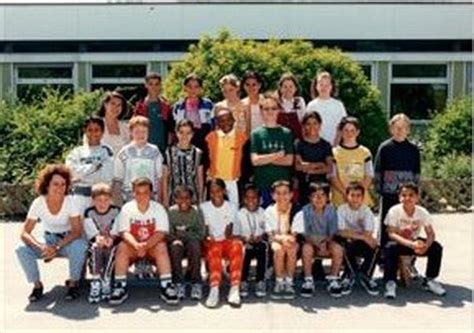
(157, 134)
(265, 140)
(186, 225)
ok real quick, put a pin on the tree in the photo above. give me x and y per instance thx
(212, 58)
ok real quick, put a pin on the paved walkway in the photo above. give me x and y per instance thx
(414, 309)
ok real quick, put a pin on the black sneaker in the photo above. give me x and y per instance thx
(369, 285)
(119, 294)
(169, 294)
(334, 288)
(36, 294)
(72, 293)
(307, 289)
(346, 286)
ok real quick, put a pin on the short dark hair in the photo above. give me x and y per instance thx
(192, 77)
(216, 181)
(142, 181)
(318, 187)
(182, 189)
(108, 96)
(252, 75)
(251, 187)
(410, 186)
(94, 120)
(355, 186)
(46, 175)
(152, 76)
(184, 123)
(349, 120)
(311, 115)
(280, 183)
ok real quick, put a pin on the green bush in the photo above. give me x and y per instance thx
(447, 182)
(41, 132)
(453, 167)
(212, 58)
(451, 130)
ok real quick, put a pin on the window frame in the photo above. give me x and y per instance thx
(420, 80)
(112, 80)
(17, 80)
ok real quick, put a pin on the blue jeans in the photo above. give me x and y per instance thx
(75, 251)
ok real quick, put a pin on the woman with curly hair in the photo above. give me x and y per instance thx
(62, 229)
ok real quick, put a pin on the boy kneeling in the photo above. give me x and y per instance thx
(143, 225)
(404, 223)
(317, 222)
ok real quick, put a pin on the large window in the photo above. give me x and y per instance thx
(419, 90)
(32, 79)
(116, 76)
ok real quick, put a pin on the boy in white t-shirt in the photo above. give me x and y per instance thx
(404, 224)
(143, 225)
(356, 233)
(250, 227)
(219, 216)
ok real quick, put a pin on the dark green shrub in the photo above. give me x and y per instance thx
(38, 133)
(212, 58)
(451, 130)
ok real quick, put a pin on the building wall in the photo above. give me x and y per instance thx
(178, 24)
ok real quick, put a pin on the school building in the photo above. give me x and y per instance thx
(418, 54)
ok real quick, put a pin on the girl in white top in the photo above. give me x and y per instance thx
(331, 110)
(252, 83)
(220, 216)
(62, 230)
(113, 110)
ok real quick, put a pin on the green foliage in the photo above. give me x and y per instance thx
(212, 58)
(447, 182)
(453, 167)
(35, 134)
(451, 130)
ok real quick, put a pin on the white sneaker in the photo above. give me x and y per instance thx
(234, 296)
(435, 287)
(390, 290)
(278, 290)
(213, 298)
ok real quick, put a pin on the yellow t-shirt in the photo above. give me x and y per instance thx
(352, 164)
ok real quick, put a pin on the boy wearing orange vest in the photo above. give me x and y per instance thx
(225, 146)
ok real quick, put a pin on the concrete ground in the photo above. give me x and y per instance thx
(413, 310)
